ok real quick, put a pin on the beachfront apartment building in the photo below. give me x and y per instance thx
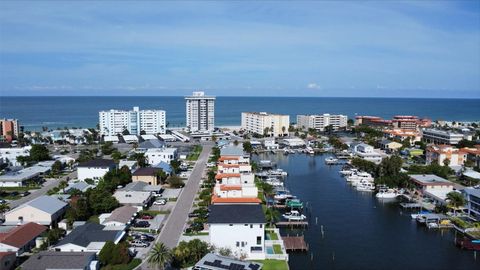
(262, 123)
(440, 153)
(404, 122)
(321, 121)
(438, 136)
(200, 112)
(9, 129)
(238, 227)
(136, 122)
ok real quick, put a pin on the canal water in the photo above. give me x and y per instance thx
(360, 232)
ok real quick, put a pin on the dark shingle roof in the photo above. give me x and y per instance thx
(153, 143)
(58, 260)
(216, 262)
(148, 171)
(98, 163)
(240, 213)
(85, 234)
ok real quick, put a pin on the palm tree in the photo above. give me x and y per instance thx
(271, 215)
(63, 185)
(456, 200)
(159, 256)
(4, 208)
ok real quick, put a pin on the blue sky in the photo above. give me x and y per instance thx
(240, 48)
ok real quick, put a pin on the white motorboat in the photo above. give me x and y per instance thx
(385, 193)
(348, 172)
(366, 186)
(294, 215)
(277, 172)
(331, 161)
(357, 176)
(309, 150)
(274, 182)
(282, 195)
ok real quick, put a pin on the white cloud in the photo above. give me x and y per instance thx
(313, 86)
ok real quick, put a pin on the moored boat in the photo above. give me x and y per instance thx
(294, 216)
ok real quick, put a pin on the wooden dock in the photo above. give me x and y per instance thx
(410, 205)
(295, 243)
(292, 224)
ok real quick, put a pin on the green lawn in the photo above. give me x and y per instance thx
(274, 265)
(153, 212)
(195, 153)
(196, 234)
(277, 249)
(272, 235)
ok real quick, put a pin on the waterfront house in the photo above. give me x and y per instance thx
(472, 196)
(293, 142)
(44, 210)
(432, 186)
(21, 238)
(212, 261)
(95, 169)
(90, 237)
(51, 260)
(367, 152)
(270, 144)
(239, 227)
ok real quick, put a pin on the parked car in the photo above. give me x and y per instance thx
(146, 216)
(24, 194)
(142, 224)
(146, 237)
(138, 243)
(160, 202)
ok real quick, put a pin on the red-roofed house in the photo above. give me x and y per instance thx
(21, 238)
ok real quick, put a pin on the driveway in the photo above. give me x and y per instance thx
(173, 228)
(49, 184)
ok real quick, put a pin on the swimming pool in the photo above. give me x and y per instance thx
(269, 250)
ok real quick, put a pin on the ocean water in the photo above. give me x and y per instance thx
(35, 112)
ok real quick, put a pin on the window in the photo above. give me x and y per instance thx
(259, 240)
(243, 244)
(261, 225)
(251, 226)
(238, 244)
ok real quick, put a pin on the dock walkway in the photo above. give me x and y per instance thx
(295, 243)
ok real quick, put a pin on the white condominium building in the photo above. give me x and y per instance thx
(441, 136)
(200, 112)
(114, 122)
(258, 122)
(321, 121)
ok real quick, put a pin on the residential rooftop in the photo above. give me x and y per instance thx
(429, 179)
(236, 213)
(212, 261)
(58, 260)
(44, 203)
(102, 163)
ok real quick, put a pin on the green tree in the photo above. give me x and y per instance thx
(247, 147)
(455, 199)
(283, 130)
(159, 256)
(271, 215)
(4, 208)
(39, 153)
(116, 155)
(106, 254)
(446, 162)
(56, 167)
(107, 148)
(63, 184)
(140, 159)
(175, 182)
(175, 165)
(465, 143)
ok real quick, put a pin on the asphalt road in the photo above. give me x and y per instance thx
(173, 229)
(49, 184)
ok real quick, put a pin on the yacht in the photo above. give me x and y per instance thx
(294, 215)
(331, 161)
(348, 172)
(294, 203)
(366, 186)
(386, 193)
(359, 176)
(274, 182)
(309, 150)
(282, 195)
(277, 172)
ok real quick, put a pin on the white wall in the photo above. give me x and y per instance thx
(224, 235)
(90, 172)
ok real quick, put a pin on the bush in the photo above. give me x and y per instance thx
(175, 182)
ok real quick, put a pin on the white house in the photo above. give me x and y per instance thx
(44, 210)
(368, 152)
(121, 216)
(239, 227)
(157, 155)
(133, 197)
(9, 155)
(95, 169)
(90, 237)
(270, 144)
(432, 186)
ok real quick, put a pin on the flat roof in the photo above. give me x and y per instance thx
(236, 213)
(472, 191)
(217, 262)
(429, 179)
